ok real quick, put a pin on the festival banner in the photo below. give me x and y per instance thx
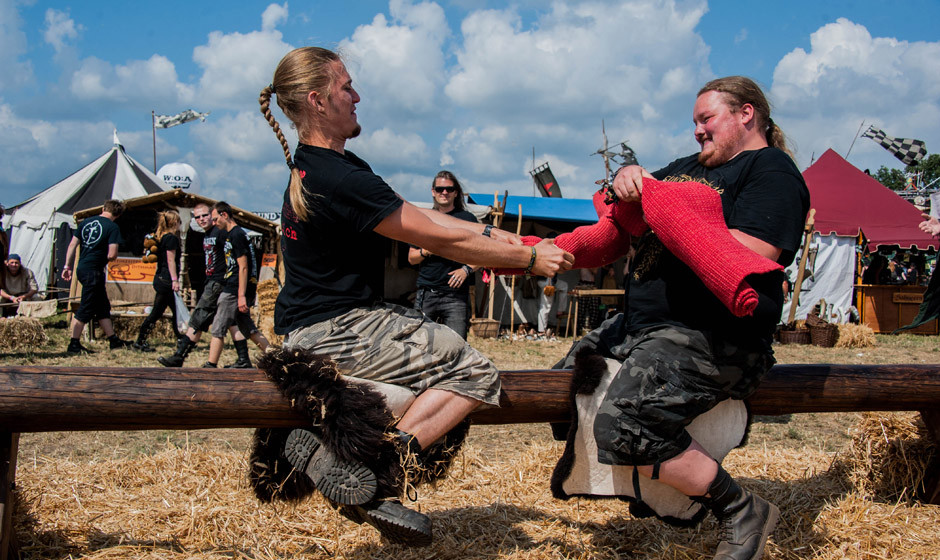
(131, 270)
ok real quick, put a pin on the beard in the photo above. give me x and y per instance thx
(356, 131)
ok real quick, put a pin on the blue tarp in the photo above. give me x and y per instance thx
(572, 210)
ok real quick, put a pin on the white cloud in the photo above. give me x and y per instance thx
(60, 28)
(15, 71)
(273, 15)
(142, 82)
(387, 147)
(480, 152)
(848, 76)
(398, 64)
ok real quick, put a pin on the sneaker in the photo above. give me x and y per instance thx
(210, 365)
(75, 347)
(394, 521)
(339, 481)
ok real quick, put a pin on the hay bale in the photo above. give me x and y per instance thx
(855, 336)
(890, 455)
(127, 327)
(267, 296)
(22, 333)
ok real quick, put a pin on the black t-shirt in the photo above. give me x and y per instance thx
(434, 271)
(333, 260)
(95, 234)
(169, 242)
(763, 195)
(238, 245)
(213, 244)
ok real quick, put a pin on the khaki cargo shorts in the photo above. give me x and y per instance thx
(401, 346)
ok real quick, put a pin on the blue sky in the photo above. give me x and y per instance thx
(471, 86)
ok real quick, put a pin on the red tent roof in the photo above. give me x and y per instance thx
(848, 200)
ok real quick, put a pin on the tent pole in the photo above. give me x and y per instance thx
(512, 285)
(807, 239)
(153, 130)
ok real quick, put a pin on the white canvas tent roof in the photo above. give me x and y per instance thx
(32, 224)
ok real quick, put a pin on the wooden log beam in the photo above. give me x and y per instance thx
(47, 398)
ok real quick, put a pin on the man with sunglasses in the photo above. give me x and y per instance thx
(444, 285)
(213, 244)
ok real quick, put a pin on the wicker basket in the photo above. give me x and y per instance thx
(484, 328)
(825, 335)
(798, 336)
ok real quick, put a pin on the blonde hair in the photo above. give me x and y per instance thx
(740, 90)
(300, 71)
(167, 222)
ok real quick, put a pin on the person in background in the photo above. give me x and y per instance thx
(99, 237)
(240, 284)
(166, 280)
(18, 285)
(444, 285)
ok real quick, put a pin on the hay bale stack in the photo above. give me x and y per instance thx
(267, 296)
(856, 336)
(890, 455)
(128, 326)
(22, 333)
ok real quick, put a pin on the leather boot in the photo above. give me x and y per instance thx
(746, 519)
(183, 347)
(244, 360)
(141, 344)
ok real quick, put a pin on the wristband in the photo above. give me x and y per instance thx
(487, 229)
(528, 269)
(66, 267)
(467, 269)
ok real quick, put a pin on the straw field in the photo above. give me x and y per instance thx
(844, 484)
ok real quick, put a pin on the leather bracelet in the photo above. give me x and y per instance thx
(528, 269)
(487, 229)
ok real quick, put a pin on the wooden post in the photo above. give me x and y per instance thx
(9, 442)
(807, 238)
(512, 286)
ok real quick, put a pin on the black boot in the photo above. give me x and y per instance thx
(141, 344)
(183, 347)
(747, 520)
(340, 482)
(116, 343)
(393, 520)
(244, 360)
(75, 347)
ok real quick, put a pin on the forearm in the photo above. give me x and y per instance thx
(171, 265)
(415, 256)
(449, 221)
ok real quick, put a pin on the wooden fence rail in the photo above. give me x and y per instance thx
(48, 398)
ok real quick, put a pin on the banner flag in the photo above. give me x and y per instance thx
(166, 121)
(908, 150)
(546, 181)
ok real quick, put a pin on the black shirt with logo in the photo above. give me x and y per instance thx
(95, 234)
(434, 271)
(238, 245)
(213, 244)
(334, 261)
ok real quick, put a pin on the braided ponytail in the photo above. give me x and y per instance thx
(300, 71)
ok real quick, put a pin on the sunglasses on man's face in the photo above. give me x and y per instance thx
(440, 190)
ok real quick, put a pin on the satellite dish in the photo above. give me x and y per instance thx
(180, 176)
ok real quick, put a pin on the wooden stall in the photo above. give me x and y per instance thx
(884, 308)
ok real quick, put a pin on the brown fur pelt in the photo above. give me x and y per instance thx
(352, 421)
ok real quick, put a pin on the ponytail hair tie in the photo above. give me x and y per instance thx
(770, 122)
(273, 89)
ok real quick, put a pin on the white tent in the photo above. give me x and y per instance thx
(32, 224)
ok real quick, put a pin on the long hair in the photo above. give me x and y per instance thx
(300, 71)
(167, 222)
(458, 200)
(739, 90)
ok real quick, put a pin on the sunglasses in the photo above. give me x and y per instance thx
(201, 216)
(440, 190)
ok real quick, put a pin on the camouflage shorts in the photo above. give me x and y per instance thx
(397, 345)
(669, 376)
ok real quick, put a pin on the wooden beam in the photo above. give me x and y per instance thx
(47, 398)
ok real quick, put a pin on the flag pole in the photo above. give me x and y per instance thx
(153, 129)
(854, 139)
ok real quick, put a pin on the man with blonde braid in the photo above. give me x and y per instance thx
(336, 219)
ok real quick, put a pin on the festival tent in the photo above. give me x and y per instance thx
(33, 224)
(849, 202)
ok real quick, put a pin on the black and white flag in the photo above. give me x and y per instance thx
(166, 121)
(908, 150)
